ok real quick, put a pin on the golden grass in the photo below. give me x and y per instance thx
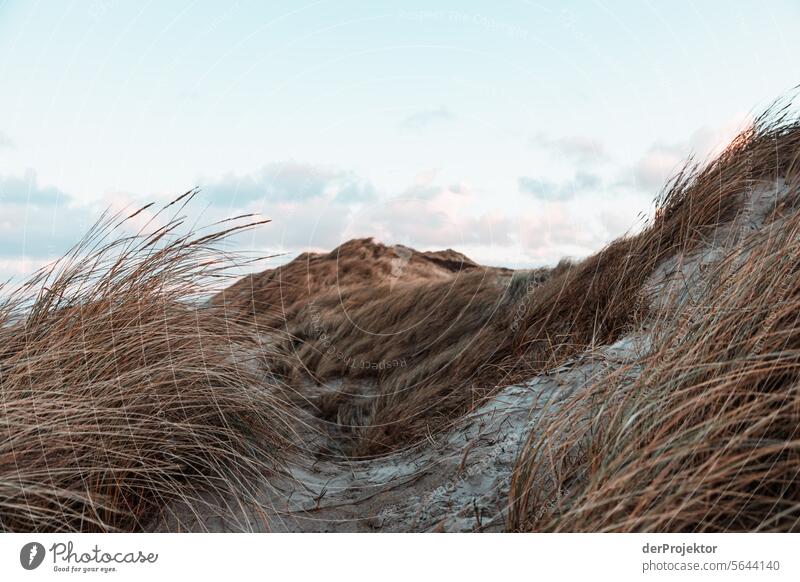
(600, 299)
(706, 437)
(408, 340)
(118, 395)
(364, 312)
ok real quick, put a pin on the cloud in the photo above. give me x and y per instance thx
(41, 234)
(314, 208)
(25, 189)
(425, 186)
(429, 215)
(311, 208)
(298, 226)
(576, 149)
(662, 160)
(40, 223)
(426, 118)
(458, 188)
(492, 228)
(290, 181)
(550, 191)
(5, 141)
(443, 217)
(36, 221)
(419, 216)
(423, 191)
(356, 192)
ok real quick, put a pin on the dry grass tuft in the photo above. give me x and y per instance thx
(369, 313)
(409, 341)
(601, 298)
(119, 395)
(705, 437)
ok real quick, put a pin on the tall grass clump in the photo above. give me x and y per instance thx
(120, 393)
(600, 299)
(580, 305)
(703, 433)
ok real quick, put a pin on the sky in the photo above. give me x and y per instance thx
(516, 132)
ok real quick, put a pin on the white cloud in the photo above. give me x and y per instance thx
(651, 172)
(426, 118)
(36, 221)
(26, 189)
(575, 148)
(288, 181)
(5, 141)
(314, 207)
(544, 189)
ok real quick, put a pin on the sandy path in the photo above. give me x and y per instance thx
(455, 482)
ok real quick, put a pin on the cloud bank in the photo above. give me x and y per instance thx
(533, 220)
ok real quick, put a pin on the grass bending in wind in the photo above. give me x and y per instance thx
(702, 433)
(118, 395)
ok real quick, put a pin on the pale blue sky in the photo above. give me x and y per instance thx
(514, 131)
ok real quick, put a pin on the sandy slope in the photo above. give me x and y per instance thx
(458, 482)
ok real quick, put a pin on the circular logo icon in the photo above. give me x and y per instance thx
(31, 555)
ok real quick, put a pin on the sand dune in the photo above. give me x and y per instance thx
(650, 387)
